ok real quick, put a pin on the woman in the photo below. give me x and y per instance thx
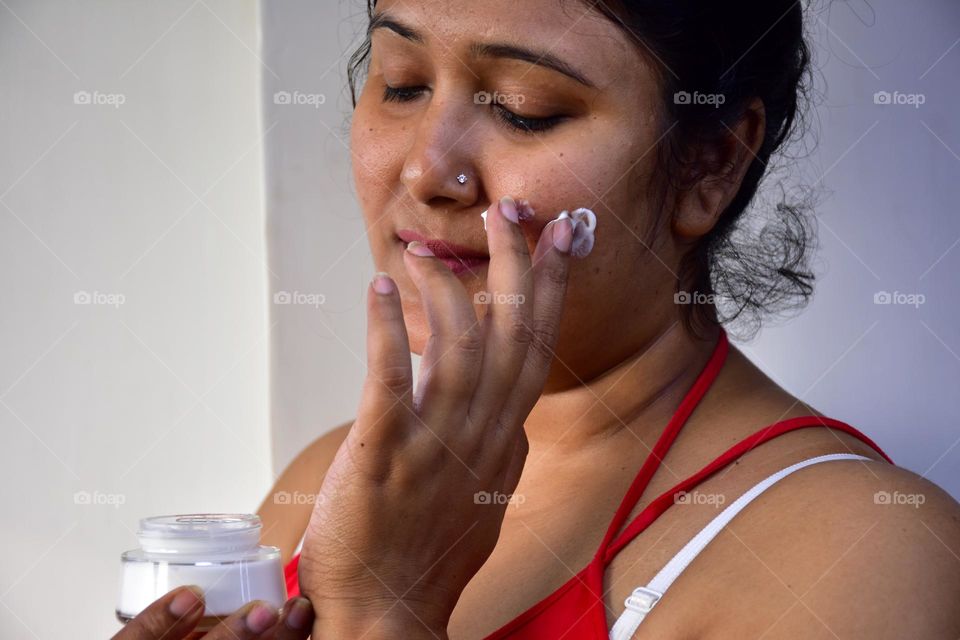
(580, 421)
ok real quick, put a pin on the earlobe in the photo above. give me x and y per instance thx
(698, 209)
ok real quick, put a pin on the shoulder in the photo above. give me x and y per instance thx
(867, 549)
(286, 509)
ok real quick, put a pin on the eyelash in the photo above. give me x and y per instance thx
(507, 117)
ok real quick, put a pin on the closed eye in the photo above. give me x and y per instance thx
(401, 94)
(517, 122)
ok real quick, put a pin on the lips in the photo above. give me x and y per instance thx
(458, 258)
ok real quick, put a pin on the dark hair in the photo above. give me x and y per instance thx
(738, 50)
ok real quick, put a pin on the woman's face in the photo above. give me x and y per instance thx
(539, 100)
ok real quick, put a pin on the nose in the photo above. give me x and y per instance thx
(437, 170)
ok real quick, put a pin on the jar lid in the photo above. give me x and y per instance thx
(199, 532)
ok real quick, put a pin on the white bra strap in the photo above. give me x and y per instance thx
(300, 544)
(643, 599)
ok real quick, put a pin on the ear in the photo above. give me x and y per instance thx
(725, 164)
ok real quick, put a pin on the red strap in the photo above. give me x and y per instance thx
(650, 465)
(679, 418)
(291, 577)
(666, 500)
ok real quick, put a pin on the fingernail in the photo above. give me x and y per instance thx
(484, 216)
(261, 618)
(509, 209)
(563, 235)
(185, 601)
(419, 249)
(383, 284)
(299, 616)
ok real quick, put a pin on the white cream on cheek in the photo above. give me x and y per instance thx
(584, 227)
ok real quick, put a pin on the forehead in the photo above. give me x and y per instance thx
(568, 29)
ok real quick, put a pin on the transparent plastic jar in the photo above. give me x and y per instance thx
(219, 552)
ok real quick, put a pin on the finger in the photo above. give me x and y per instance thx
(551, 262)
(254, 620)
(508, 325)
(296, 620)
(451, 359)
(388, 387)
(171, 617)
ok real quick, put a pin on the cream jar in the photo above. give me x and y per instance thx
(220, 553)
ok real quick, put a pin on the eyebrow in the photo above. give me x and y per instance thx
(383, 20)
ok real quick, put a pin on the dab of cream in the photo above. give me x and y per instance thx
(584, 225)
(524, 212)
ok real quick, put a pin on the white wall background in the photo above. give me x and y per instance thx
(315, 233)
(159, 403)
(890, 225)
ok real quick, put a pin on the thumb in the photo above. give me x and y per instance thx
(171, 617)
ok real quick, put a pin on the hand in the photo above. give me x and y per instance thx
(176, 614)
(398, 529)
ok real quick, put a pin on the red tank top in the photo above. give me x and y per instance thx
(576, 609)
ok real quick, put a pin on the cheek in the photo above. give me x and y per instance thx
(377, 154)
(613, 184)
(580, 176)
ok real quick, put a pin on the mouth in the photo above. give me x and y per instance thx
(456, 257)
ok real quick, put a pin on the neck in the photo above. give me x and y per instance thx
(638, 393)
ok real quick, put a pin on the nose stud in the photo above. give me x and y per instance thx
(462, 178)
